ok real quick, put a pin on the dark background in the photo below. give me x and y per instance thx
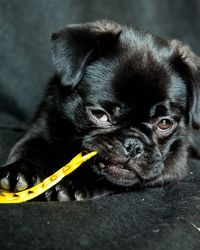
(26, 27)
(149, 219)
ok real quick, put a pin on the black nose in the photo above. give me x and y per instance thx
(133, 147)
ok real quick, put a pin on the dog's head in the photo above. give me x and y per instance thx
(132, 96)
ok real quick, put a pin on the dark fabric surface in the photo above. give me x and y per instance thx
(157, 218)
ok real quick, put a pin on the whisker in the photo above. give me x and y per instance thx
(162, 183)
(77, 138)
(101, 178)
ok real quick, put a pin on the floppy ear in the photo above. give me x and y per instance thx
(75, 46)
(191, 71)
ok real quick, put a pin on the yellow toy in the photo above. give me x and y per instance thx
(28, 194)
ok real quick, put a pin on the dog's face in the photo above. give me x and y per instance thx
(132, 99)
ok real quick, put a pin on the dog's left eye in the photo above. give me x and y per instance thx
(165, 126)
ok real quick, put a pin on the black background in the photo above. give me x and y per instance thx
(26, 27)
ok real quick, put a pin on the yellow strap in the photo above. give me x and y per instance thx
(28, 194)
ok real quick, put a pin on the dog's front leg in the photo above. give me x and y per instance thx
(28, 161)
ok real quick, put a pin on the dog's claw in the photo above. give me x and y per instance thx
(4, 183)
(62, 196)
(21, 183)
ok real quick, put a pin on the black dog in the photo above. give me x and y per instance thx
(129, 95)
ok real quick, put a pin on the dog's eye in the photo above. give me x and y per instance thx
(100, 115)
(165, 125)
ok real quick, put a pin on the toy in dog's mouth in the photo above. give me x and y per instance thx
(28, 194)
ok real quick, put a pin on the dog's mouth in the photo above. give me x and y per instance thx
(116, 172)
(126, 174)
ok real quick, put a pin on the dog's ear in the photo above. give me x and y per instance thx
(190, 67)
(75, 46)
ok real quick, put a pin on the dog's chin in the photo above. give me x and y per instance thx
(123, 175)
(118, 175)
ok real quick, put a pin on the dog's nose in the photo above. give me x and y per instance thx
(133, 147)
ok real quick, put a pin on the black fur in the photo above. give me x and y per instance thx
(115, 90)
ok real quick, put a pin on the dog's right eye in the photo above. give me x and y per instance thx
(99, 116)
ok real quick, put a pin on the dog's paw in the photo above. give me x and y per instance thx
(71, 192)
(16, 177)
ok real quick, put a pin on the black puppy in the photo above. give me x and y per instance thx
(129, 95)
